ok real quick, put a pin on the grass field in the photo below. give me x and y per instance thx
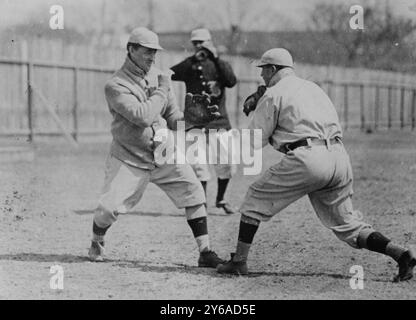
(46, 213)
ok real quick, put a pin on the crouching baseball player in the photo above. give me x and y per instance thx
(140, 101)
(298, 119)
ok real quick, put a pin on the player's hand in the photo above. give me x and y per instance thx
(164, 81)
(249, 105)
(209, 46)
(251, 102)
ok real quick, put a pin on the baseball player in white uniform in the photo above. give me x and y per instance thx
(299, 119)
(141, 101)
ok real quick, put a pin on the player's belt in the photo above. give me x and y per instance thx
(311, 142)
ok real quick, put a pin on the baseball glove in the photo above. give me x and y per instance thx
(251, 102)
(197, 111)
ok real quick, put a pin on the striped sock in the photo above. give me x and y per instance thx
(98, 232)
(199, 229)
(375, 241)
(203, 243)
(394, 251)
(242, 251)
(248, 228)
(97, 238)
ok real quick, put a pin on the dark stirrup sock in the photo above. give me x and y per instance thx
(248, 228)
(199, 227)
(377, 242)
(204, 186)
(247, 232)
(98, 230)
(222, 187)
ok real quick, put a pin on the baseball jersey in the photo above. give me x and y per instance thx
(139, 109)
(294, 109)
(211, 76)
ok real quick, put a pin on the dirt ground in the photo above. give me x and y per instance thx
(46, 215)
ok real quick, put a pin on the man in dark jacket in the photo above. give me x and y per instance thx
(205, 72)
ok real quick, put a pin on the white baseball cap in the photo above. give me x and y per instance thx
(276, 56)
(145, 38)
(200, 35)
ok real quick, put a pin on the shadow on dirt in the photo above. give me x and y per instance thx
(62, 258)
(183, 268)
(39, 257)
(146, 214)
(298, 274)
(145, 266)
(149, 266)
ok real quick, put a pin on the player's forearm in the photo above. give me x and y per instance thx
(142, 114)
(174, 119)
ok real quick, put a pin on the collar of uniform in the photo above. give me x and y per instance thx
(277, 77)
(133, 70)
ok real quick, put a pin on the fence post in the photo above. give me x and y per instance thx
(402, 108)
(362, 107)
(389, 107)
(30, 100)
(377, 108)
(75, 106)
(346, 106)
(413, 109)
(24, 56)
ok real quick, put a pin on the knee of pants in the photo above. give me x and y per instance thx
(255, 208)
(225, 171)
(349, 234)
(104, 218)
(202, 172)
(194, 212)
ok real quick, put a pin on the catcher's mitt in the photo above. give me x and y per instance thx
(251, 102)
(197, 111)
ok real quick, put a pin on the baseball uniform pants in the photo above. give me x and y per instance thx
(324, 174)
(124, 186)
(216, 151)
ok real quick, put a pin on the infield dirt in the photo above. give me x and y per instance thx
(46, 213)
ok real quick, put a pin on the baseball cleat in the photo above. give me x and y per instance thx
(233, 267)
(226, 206)
(406, 264)
(209, 259)
(96, 251)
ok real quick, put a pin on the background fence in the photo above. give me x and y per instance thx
(365, 99)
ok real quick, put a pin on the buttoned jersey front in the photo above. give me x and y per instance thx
(209, 76)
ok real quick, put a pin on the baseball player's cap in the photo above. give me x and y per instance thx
(200, 35)
(276, 56)
(145, 38)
